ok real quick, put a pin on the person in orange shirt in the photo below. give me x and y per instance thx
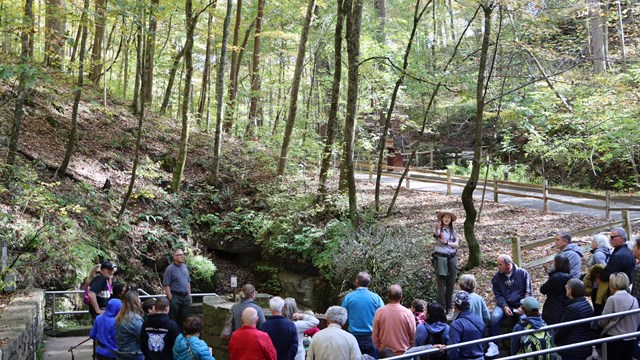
(394, 326)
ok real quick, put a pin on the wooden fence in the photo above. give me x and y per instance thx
(500, 187)
(517, 247)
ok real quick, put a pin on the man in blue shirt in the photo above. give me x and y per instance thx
(177, 285)
(361, 305)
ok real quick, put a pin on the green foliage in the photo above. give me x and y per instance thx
(202, 271)
(381, 251)
(268, 279)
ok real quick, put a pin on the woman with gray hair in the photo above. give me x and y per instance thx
(601, 250)
(620, 301)
(302, 321)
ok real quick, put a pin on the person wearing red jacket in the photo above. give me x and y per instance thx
(249, 343)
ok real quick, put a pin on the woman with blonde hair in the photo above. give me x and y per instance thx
(128, 327)
(302, 321)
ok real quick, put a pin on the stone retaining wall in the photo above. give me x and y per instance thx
(22, 326)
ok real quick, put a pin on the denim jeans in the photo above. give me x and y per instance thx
(497, 315)
(365, 342)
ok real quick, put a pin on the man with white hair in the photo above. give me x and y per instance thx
(250, 343)
(333, 343)
(281, 330)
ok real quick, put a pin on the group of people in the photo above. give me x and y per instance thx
(378, 330)
(158, 329)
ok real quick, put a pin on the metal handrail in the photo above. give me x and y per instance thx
(544, 328)
(76, 312)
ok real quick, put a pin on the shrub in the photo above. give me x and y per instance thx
(202, 271)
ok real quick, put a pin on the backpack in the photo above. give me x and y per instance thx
(539, 340)
(435, 338)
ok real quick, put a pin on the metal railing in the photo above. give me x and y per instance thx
(603, 341)
(55, 293)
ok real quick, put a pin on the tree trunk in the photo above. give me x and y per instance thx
(54, 33)
(597, 37)
(217, 143)
(354, 20)
(172, 78)
(14, 138)
(150, 46)
(332, 121)
(206, 70)
(74, 50)
(186, 99)
(139, 62)
(96, 52)
(254, 120)
(417, 16)
(73, 135)
(295, 87)
(125, 80)
(622, 39)
(467, 193)
(233, 75)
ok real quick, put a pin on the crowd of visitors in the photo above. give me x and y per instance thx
(126, 329)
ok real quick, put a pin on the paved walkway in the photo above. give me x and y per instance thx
(57, 348)
(513, 200)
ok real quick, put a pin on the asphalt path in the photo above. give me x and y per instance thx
(531, 203)
(57, 348)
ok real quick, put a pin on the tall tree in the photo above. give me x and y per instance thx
(254, 119)
(233, 73)
(73, 134)
(54, 33)
(417, 16)
(332, 121)
(354, 22)
(217, 141)
(482, 86)
(171, 80)
(191, 22)
(150, 46)
(597, 36)
(206, 84)
(295, 87)
(14, 139)
(98, 37)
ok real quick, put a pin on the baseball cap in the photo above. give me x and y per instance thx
(108, 265)
(462, 300)
(530, 303)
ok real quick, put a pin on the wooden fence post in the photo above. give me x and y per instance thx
(495, 189)
(408, 180)
(431, 158)
(627, 224)
(608, 205)
(516, 250)
(370, 173)
(448, 182)
(545, 195)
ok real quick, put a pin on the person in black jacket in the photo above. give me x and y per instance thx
(577, 309)
(159, 333)
(555, 290)
(622, 259)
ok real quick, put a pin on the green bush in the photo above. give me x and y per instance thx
(203, 273)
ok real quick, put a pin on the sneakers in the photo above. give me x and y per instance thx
(492, 351)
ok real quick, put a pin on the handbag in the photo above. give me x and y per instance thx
(228, 325)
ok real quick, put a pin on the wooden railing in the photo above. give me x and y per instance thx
(500, 187)
(517, 247)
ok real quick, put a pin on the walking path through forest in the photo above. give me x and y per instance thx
(512, 200)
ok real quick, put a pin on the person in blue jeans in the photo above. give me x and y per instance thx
(361, 305)
(510, 285)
